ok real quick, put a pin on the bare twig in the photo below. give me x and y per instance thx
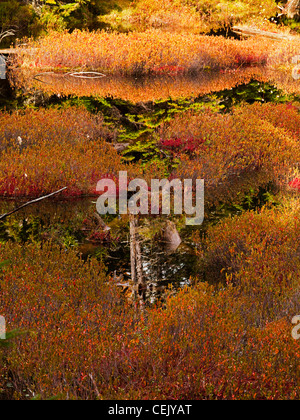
(95, 386)
(3, 216)
(101, 222)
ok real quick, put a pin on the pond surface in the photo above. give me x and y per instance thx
(166, 86)
(72, 224)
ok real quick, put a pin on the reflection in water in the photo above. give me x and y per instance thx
(63, 221)
(138, 89)
(164, 269)
(150, 89)
(163, 263)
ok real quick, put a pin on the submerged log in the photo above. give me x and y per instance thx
(171, 237)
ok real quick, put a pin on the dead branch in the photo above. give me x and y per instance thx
(101, 222)
(83, 75)
(132, 227)
(3, 216)
(6, 34)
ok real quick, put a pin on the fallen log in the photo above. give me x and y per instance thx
(249, 31)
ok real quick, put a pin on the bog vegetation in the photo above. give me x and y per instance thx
(186, 104)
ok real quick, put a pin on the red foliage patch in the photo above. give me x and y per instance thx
(177, 144)
(295, 183)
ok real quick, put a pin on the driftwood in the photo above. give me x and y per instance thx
(36, 77)
(3, 216)
(248, 31)
(6, 34)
